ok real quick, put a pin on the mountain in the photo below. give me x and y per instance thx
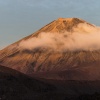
(54, 52)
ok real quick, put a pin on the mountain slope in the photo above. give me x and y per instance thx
(48, 52)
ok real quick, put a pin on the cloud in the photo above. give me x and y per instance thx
(84, 37)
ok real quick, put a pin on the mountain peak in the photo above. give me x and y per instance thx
(61, 25)
(64, 19)
(70, 19)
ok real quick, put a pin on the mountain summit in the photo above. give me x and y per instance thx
(67, 55)
(61, 25)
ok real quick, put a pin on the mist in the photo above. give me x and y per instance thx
(84, 37)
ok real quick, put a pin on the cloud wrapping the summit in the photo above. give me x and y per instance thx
(84, 37)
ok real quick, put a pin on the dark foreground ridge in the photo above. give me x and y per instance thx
(17, 86)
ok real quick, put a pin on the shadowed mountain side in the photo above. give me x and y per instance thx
(75, 87)
(17, 86)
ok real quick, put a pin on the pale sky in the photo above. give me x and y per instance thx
(20, 18)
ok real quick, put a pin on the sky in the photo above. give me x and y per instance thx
(20, 18)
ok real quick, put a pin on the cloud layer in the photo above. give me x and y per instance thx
(84, 37)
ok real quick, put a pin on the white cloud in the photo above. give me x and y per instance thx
(84, 37)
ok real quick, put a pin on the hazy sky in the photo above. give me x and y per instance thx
(19, 18)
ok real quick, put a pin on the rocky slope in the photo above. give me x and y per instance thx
(54, 64)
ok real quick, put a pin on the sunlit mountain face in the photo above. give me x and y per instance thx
(65, 49)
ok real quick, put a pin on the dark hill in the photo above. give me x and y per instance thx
(17, 86)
